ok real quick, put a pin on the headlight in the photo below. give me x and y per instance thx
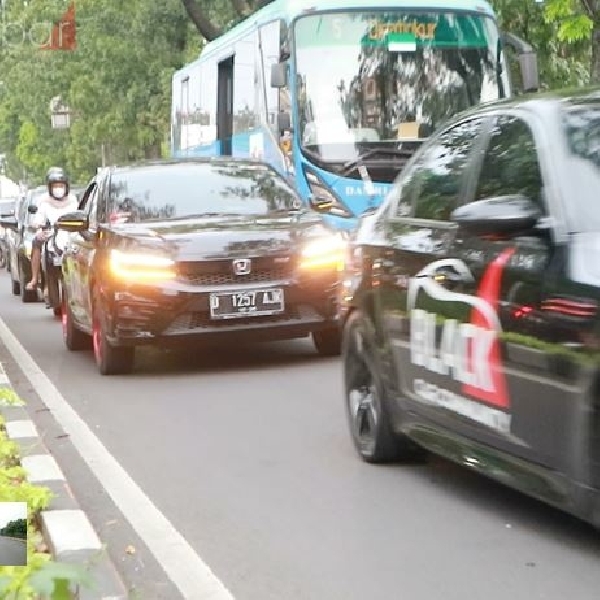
(326, 252)
(139, 267)
(330, 203)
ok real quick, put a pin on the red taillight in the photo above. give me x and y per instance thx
(570, 308)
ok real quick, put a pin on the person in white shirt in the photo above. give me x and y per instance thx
(58, 202)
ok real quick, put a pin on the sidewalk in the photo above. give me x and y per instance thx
(66, 528)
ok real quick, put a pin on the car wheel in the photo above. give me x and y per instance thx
(366, 402)
(328, 342)
(26, 295)
(111, 360)
(75, 339)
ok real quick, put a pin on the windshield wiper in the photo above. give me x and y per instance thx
(372, 153)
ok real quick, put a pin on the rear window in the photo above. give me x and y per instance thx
(581, 126)
(7, 208)
(179, 191)
(35, 198)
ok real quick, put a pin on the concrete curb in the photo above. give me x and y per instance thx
(65, 527)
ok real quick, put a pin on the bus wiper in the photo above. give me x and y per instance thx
(372, 153)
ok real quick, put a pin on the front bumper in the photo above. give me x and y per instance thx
(177, 312)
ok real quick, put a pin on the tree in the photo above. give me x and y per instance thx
(213, 17)
(16, 528)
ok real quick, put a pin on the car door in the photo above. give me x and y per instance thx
(419, 234)
(75, 257)
(87, 251)
(511, 275)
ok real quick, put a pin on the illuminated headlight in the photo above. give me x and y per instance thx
(28, 247)
(325, 252)
(140, 267)
(330, 203)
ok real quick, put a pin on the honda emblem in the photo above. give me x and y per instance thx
(241, 266)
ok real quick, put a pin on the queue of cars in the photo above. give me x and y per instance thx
(466, 307)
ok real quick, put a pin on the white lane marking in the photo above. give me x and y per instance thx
(188, 572)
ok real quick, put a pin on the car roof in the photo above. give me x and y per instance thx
(539, 102)
(211, 160)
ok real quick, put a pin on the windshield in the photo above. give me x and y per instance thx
(179, 191)
(35, 197)
(390, 76)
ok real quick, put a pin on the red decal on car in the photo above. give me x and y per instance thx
(489, 290)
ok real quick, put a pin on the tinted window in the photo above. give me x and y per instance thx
(510, 165)
(186, 190)
(441, 174)
(434, 182)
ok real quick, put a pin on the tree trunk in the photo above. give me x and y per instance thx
(241, 7)
(205, 27)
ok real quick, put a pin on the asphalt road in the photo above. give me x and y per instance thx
(246, 452)
(13, 553)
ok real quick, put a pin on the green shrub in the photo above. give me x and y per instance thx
(42, 578)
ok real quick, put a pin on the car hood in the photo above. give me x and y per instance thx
(224, 237)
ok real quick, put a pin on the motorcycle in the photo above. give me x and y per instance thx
(53, 251)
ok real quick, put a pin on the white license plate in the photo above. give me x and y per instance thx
(249, 303)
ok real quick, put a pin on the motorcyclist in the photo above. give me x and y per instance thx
(56, 203)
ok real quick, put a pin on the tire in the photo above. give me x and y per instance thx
(53, 284)
(26, 295)
(328, 342)
(367, 404)
(15, 286)
(75, 339)
(111, 360)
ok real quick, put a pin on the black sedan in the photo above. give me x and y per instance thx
(470, 303)
(209, 250)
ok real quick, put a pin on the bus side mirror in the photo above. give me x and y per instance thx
(529, 71)
(279, 75)
(527, 61)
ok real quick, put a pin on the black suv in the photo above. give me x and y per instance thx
(471, 302)
(173, 251)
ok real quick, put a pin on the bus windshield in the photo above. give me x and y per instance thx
(367, 78)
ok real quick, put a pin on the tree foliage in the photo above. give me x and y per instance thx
(16, 528)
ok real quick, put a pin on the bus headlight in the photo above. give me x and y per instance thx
(324, 253)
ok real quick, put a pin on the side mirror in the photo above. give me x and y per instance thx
(529, 71)
(9, 223)
(501, 215)
(32, 209)
(278, 75)
(76, 221)
(284, 122)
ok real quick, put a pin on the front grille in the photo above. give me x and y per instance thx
(220, 272)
